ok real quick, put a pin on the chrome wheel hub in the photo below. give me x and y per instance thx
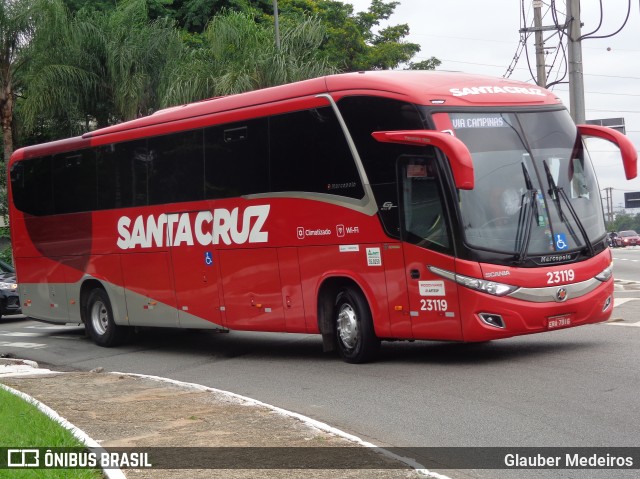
(347, 326)
(99, 317)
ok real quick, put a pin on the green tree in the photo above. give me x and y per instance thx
(428, 64)
(97, 67)
(625, 221)
(239, 54)
(352, 42)
(194, 15)
(98, 5)
(16, 28)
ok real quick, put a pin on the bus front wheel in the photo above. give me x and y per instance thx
(356, 338)
(98, 320)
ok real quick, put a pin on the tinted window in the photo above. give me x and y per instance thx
(123, 174)
(74, 181)
(364, 115)
(236, 159)
(31, 184)
(114, 179)
(176, 168)
(310, 153)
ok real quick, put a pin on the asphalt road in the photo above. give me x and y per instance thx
(575, 387)
(626, 263)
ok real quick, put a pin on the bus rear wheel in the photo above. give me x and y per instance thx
(356, 338)
(99, 323)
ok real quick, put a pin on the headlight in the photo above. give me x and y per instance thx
(605, 274)
(10, 286)
(490, 287)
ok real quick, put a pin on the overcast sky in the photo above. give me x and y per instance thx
(482, 37)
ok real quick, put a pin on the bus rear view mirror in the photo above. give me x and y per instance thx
(627, 149)
(456, 151)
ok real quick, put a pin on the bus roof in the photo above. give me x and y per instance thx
(421, 87)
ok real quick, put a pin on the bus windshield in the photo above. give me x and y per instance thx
(535, 189)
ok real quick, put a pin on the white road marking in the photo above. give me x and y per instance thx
(19, 334)
(23, 345)
(633, 325)
(61, 326)
(621, 301)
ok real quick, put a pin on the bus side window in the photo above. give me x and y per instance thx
(177, 167)
(310, 153)
(122, 175)
(74, 180)
(364, 115)
(236, 159)
(32, 186)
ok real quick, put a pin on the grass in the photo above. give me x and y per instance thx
(24, 425)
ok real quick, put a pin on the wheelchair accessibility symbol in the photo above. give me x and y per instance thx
(561, 242)
(208, 258)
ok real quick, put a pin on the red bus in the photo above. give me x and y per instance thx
(363, 207)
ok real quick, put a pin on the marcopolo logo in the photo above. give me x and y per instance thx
(204, 227)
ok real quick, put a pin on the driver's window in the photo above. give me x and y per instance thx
(424, 221)
(580, 187)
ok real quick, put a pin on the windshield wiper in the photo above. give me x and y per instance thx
(559, 195)
(527, 209)
(523, 235)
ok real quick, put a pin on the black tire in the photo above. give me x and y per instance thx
(355, 336)
(99, 323)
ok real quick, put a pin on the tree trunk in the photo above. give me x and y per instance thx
(6, 117)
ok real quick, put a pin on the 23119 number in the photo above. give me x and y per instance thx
(563, 276)
(433, 305)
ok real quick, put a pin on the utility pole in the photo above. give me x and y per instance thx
(576, 79)
(540, 60)
(609, 199)
(277, 23)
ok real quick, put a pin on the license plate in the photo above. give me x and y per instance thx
(562, 321)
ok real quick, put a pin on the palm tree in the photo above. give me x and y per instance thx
(16, 28)
(240, 54)
(101, 67)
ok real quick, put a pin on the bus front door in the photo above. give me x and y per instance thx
(427, 244)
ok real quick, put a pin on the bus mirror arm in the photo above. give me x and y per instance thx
(456, 151)
(627, 149)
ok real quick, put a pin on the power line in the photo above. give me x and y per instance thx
(559, 65)
(458, 38)
(590, 36)
(614, 111)
(612, 76)
(604, 93)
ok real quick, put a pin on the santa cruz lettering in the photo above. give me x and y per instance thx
(204, 227)
(479, 90)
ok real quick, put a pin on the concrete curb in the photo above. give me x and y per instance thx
(23, 367)
(419, 468)
(10, 367)
(17, 367)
